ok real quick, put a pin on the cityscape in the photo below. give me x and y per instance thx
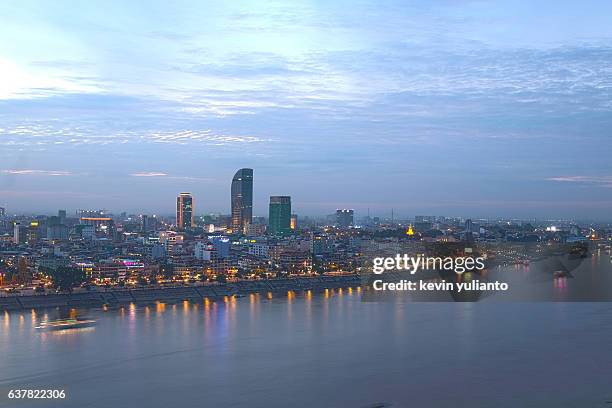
(336, 204)
(92, 249)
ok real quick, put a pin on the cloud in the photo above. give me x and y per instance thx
(149, 174)
(185, 136)
(31, 172)
(102, 124)
(605, 181)
(22, 83)
(159, 174)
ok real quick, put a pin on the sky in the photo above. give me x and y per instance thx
(449, 107)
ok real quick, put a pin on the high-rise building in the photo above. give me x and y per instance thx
(16, 232)
(469, 225)
(149, 223)
(344, 218)
(33, 233)
(144, 227)
(61, 214)
(469, 230)
(184, 211)
(294, 221)
(279, 216)
(2, 211)
(20, 233)
(242, 200)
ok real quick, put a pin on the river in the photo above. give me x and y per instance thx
(326, 349)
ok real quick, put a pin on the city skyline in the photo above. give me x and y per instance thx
(241, 209)
(468, 108)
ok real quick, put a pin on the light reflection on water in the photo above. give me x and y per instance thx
(323, 349)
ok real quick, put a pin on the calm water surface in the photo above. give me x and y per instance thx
(317, 350)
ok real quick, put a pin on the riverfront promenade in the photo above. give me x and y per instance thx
(118, 296)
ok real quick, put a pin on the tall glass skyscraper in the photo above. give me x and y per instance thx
(184, 211)
(242, 200)
(279, 217)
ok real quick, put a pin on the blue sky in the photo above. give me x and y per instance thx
(435, 107)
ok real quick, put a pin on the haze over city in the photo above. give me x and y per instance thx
(445, 107)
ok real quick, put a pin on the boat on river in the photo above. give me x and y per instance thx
(65, 324)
